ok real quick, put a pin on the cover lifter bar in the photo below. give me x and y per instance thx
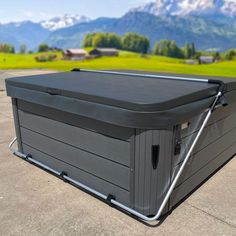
(144, 75)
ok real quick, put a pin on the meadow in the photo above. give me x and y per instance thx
(125, 61)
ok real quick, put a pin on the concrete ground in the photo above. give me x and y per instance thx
(34, 202)
(4, 74)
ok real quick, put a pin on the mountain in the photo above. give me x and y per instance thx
(32, 34)
(203, 32)
(63, 22)
(26, 32)
(205, 8)
(72, 37)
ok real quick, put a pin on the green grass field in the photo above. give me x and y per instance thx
(126, 61)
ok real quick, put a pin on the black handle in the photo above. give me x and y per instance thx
(155, 156)
(53, 91)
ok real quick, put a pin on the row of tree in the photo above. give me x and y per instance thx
(139, 43)
(130, 41)
(169, 48)
(7, 48)
(229, 54)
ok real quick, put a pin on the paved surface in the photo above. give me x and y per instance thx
(33, 202)
(4, 74)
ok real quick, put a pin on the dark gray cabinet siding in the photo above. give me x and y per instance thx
(118, 160)
(118, 151)
(76, 120)
(92, 181)
(97, 155)
(151, 184)
(195, 180)
(216, 145)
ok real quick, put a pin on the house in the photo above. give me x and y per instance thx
(191, 62)
(206, 59)
(74, 54)
(99, 52)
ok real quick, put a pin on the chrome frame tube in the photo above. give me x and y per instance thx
(113, 201)
(15, 152)
(148, 75)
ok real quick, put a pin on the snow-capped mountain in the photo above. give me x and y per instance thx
(229, 7)
(63, 22)
(190, 7)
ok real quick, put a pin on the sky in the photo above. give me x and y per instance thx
(37, 10)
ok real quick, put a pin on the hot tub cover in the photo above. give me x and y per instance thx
(124, 100)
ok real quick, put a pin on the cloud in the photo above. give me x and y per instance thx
(29, 14)
(44, 15)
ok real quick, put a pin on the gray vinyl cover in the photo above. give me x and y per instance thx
(124, 100)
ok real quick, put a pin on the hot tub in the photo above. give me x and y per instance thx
(141, 142)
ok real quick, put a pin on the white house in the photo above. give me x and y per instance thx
(74, 54)
(206, 59)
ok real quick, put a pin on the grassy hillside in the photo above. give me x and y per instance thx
(126, 61)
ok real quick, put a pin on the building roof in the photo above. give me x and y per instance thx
(107, 49)
(75, 51)
(206, 57)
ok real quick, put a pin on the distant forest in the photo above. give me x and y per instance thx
(140, 44)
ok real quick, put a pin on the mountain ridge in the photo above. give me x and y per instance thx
(25, 32)
(65, 21)
(33, 33)
(204, 33)
(211, 8)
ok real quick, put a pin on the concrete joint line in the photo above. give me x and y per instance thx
(213, 216)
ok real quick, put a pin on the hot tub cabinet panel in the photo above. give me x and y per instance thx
(73, 130)
(84, 152)
(153, 152)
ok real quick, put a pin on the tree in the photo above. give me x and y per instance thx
(100, 40)
(7, 48)
(43, 48)
(217, 56)
(23, 49)
(197, 56)
(156, 49)
(175, 51)
(12, 49)
(193, 48)
(130, 42)
(189, 50)
(114, 41)
(104, 40)
(168, 48)
(163, 48)
(136, 43)
(88, 40)
(230, 54)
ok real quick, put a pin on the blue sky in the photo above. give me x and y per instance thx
(36, 10)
